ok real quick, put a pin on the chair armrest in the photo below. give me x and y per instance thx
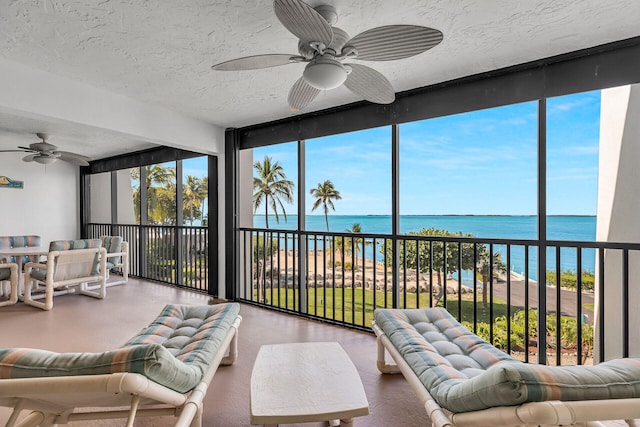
(115, 254)
(31, 265)
(28, 267)
(11, 266)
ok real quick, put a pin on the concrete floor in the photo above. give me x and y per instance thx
(79, 323)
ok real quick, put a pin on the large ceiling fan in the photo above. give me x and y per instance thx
(324, 48)
(45, 153)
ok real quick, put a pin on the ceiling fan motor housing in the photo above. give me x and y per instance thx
(325, 73)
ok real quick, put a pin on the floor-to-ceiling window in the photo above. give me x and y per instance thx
(161, 209)
(482, 174)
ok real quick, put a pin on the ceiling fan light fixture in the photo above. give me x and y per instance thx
(44, 160)
(325, 73)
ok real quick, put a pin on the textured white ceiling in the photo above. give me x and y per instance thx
(160, 51)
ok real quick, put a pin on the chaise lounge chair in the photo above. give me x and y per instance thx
(463, 381)
(164, 370)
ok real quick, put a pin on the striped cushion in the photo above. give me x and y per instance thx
(19, 241)
(193, 334)
(464, 373)
(65, 245)
(7, 242)
(153, 361)
(174, 351)
(112, 244)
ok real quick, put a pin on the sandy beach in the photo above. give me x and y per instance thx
(321, 268)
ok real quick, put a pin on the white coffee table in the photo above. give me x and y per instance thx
(305, 382)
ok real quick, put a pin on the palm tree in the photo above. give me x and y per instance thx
(163, 178)
(325, 194)
(195, 191)
(263, 247)
(353, 242)
(485, 265)
(205, 184)
(271, 186)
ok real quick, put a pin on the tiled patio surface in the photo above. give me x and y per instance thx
(79, 323)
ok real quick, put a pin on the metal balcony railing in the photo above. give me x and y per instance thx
(343, 277)
(177, 255)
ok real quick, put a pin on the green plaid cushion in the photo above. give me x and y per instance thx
(464, 373)
(174, 351)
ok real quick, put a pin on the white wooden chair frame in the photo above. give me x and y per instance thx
(549, 413)
(53, 400)
(13, 284)
(123, 265)
(55, 261)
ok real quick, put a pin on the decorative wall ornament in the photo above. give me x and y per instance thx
(6, 182)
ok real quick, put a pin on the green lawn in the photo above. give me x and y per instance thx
(338, 305)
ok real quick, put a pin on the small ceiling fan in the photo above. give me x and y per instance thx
(324, 48)
(45, 153)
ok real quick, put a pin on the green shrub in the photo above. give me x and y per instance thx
(569, 279)
(568, 332)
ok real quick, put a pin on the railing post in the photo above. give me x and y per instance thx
(303, 250)
(303, 246)
(395, 209)
(179, 254)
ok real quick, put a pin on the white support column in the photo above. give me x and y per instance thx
(245, 216)
(618, 211)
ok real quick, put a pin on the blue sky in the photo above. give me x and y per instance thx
(482, 162)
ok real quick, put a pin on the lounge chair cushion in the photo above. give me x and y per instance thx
(464, 373)
(174, 351)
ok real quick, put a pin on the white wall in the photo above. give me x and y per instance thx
(619, 209)
(47, 206)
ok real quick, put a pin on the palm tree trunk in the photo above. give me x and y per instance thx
(266, 211)
(258, 274)
(441, 291)
(485, 282)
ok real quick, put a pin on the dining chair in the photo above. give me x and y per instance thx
(70, 265)
(117, 258)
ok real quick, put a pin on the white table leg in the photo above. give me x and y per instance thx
(346, 423)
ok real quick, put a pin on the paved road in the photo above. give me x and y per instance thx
(568, 299)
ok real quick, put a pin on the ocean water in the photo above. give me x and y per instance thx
(581, 228)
